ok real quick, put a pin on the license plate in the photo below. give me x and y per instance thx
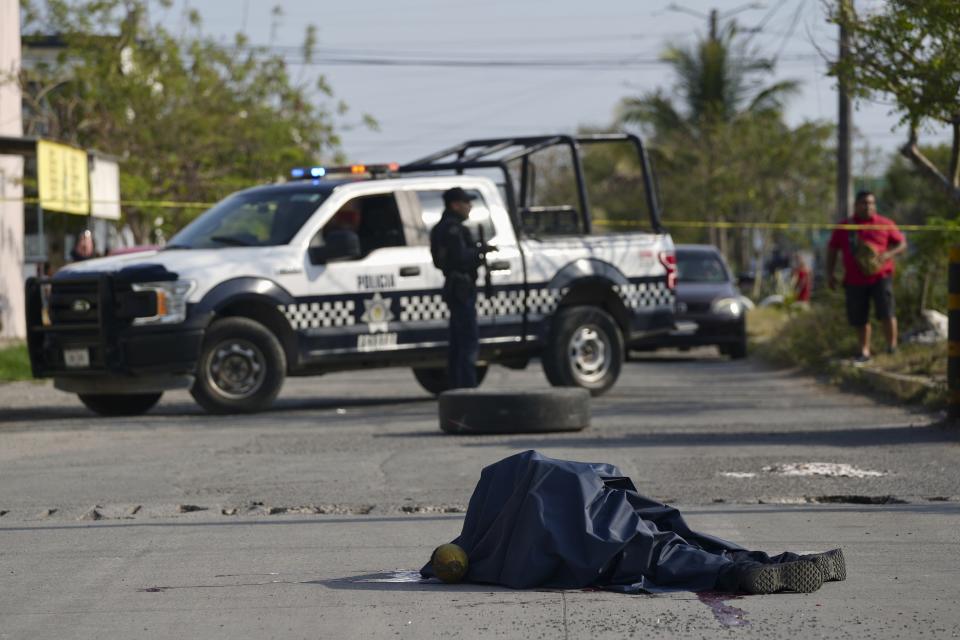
(76, 358)
(685, 328)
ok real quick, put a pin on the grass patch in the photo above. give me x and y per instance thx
(15, 363)
(764, 323)
(811, 337)
(818, 337)
(916, 360)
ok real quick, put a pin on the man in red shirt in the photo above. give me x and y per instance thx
(868, 269)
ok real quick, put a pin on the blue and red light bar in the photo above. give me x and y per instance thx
(309, 173)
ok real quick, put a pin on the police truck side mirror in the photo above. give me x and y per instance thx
(337, 245)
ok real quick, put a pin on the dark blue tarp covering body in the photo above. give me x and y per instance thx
(538, 522)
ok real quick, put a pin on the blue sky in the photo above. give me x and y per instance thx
(548, 65)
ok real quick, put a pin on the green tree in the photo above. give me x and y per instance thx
(190, 119)
(718, 80)
(906, 193)
(720, 145)
(909, 50)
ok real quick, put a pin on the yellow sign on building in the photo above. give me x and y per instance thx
(64, 181)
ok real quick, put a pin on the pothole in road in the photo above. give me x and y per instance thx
(189, 508)
(837, 499)
(258, 508)
(433, 508)
(108, 512)
(857, 500)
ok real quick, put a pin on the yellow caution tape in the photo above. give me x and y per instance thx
(809, 226)
(683, 224)
(165, 204)
(953, 349)
(955, 253)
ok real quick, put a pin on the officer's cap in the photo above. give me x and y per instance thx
(457, 195)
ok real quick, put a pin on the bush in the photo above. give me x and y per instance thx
(809, 338)
(817, 337)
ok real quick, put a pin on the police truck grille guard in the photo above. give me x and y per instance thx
(83, 311)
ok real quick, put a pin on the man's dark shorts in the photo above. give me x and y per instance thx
(859, 297)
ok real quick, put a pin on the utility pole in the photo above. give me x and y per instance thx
(717, 236)
(844, 180)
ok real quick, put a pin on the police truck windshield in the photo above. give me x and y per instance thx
(260, 218)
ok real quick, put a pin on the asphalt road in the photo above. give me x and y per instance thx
(284, 524)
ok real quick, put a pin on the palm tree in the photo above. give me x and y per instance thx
(719, 82)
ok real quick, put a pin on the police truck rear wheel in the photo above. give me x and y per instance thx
(584, 349)
(241, 367)
(435, 379)
(113, 404)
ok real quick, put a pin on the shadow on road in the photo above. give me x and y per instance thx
(701, 358)
(865, 437)
(302, 404)
(230, 521)
(283, 405)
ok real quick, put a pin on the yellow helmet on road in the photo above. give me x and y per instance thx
(449, 563)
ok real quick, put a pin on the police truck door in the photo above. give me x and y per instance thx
(500, 315)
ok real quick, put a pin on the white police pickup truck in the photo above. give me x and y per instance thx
(267, 284)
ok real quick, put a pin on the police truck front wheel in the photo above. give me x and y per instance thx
(435, 380)
(584, 349)
(114, 404)
(241, 367)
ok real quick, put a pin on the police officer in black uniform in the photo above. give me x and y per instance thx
(456, 253)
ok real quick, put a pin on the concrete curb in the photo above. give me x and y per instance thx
(903, 387)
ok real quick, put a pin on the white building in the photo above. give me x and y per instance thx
(26, 249)
(12, 314)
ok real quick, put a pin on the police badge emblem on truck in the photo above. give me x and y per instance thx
(377, 313)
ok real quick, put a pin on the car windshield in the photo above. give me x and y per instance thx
(251, 219)
(700, 267)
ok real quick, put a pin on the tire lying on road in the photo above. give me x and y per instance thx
(475, 411)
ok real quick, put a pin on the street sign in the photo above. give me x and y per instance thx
(104, 188)
(63, 178)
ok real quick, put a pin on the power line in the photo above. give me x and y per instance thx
(789, 34)
(620, 62)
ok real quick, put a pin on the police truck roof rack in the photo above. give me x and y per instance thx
(497, 153)
(317, 172)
